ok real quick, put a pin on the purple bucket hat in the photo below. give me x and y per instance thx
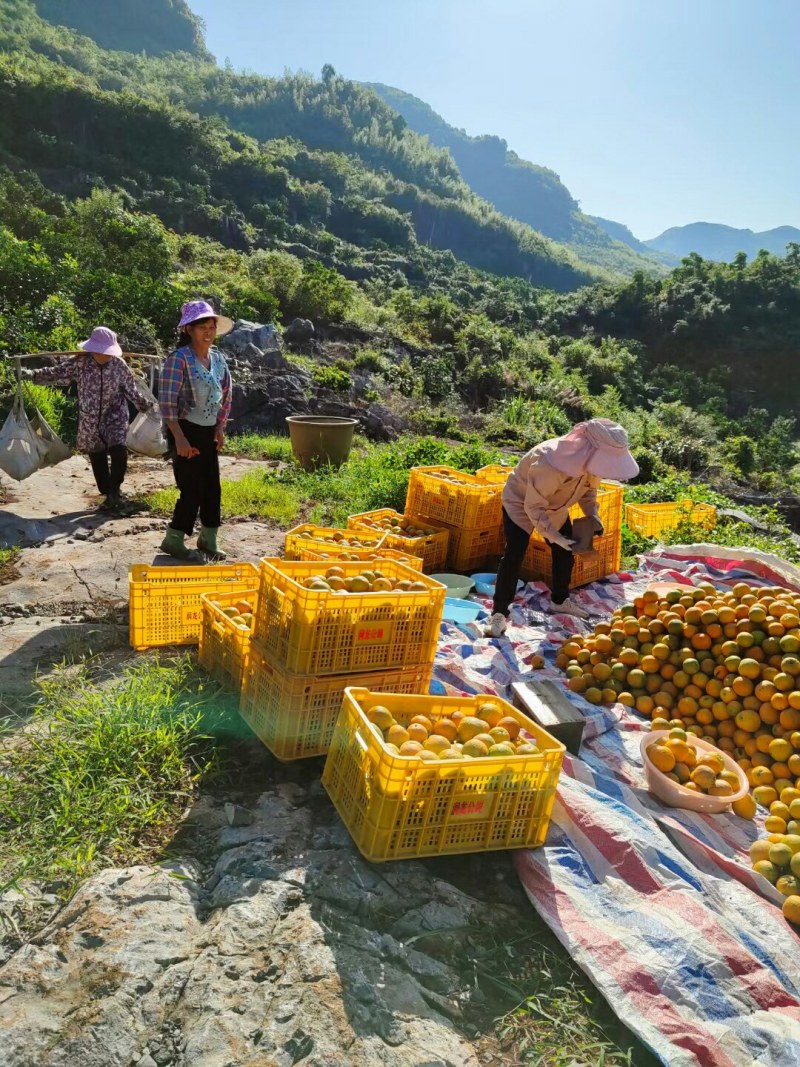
(201, 309)
(102, 341)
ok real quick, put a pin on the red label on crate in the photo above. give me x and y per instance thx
(374, 633)
(193, 614)
(476, 808)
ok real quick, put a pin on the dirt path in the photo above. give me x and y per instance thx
(69, 585)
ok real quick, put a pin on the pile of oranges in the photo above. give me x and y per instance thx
(721, 665)
(699, 772)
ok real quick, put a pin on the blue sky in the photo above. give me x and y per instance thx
(654, 114)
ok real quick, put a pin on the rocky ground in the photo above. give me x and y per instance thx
(261, 939)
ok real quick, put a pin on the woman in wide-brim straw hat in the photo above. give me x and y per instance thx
(539, 492)
(195, 396)
(105, 385)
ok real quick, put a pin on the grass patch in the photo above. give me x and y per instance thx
(254, 496)
(256, 446)
(375, 476)
(547, 1013)
(102, 773)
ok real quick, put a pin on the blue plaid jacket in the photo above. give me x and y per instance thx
(176, 392)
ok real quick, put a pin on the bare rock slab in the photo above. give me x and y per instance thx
(292, 952)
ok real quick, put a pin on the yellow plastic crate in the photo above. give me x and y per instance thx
(470, 503)
(399, 807)
(164, 602)
(329, 535)
(651, 520)
(224, 648)
(431, 548)
(538, 563)
(310, 631)
(473, 549)
(494, 472)
(324, 551)
(609, 506)
(294, 714)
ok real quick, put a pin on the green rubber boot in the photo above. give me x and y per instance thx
(207, 543)
(174, 544)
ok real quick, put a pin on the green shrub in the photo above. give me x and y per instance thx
(332, 378)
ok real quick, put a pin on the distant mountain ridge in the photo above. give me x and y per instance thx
(712, 240)
(525, 191)
(160, 26)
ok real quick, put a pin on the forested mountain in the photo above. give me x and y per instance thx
(131, 181)
(243, 158)
(714, 241)
(523, 190)
(153, 26)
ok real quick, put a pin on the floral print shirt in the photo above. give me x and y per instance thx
(104, 390)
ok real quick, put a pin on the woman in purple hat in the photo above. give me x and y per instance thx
(105, 385)
(195, 398)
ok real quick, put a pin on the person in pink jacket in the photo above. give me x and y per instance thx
(539, 492)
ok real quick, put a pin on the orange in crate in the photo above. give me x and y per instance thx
(164, 602)
(331, 536)
(319, 631)
(294, 714)
(538, 563)
(431, 548)
(443, 494)
(224, 646)
(494, 472)
(312, 550)
(399, 807)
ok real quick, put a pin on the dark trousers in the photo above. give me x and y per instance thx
(511, 564)
(109, 468)
(197, 479)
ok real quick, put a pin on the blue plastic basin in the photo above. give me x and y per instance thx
(460, 611)
(485, 583)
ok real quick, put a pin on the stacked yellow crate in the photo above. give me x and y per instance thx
(327, 542)
(605, 559)
(310, 643)
(468, 507)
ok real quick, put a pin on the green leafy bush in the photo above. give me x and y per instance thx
(332, 378)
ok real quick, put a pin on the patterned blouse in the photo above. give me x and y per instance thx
(104, 390)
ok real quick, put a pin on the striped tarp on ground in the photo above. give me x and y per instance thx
(658, 905)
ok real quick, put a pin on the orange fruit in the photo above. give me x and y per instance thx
(681, 750)
(417, 732)
(764, 795)
(791, 909)
(447, 728)
(510, 723)
(662, 758)
(745, 807)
